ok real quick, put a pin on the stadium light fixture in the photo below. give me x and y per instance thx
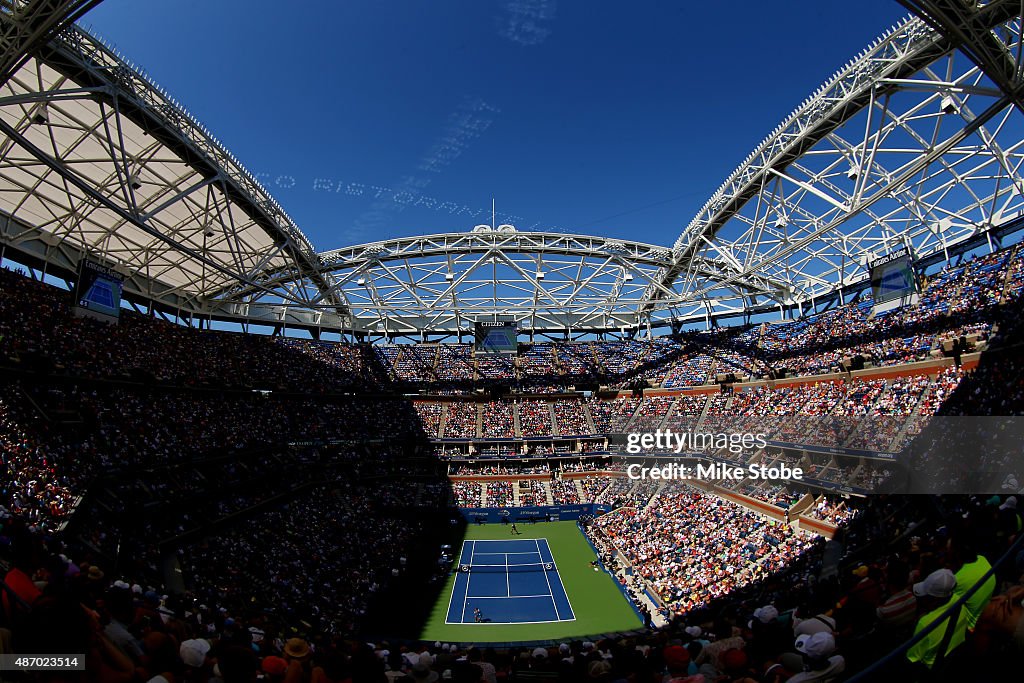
(134, 182)
(853, 172)
(948, 105)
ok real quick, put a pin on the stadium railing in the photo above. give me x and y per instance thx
(948, 619)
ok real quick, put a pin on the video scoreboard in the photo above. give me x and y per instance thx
(892, 276)
(497, 336)
(98, 290)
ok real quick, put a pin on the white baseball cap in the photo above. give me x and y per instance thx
(939, 584)
(817, 646)
(193, 652)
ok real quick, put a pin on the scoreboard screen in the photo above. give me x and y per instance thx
(98, 290)
(496, 337)
(892, 277)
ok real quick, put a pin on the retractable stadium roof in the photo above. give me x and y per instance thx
(914, 143)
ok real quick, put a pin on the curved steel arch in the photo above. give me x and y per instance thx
(26, 25)
(910, 144)
(99, 161)
(551, 281)
(968, 26)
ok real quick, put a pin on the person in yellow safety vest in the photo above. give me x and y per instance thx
(972, 566)
(933, 599)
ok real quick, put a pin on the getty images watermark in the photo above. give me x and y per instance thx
(667, 441)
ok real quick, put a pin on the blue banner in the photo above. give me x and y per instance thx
(834, 450)
(537, 513)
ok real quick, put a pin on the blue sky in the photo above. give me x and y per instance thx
(370, 119)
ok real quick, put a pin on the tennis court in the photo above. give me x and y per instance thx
(508, 582)
(102, 294)
(519, 598)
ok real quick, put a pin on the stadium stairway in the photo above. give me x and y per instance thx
(632, 418)
(853, 435)
(549, 499)
(589, 418)
(596, 357)
(442, 420)
(555, 427)
(704, 412)
(802, 505)
(1004, 294)
(668, 413)
(655, 496)
(914, 414)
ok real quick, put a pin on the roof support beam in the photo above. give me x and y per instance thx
(102, 200)
(27, 25)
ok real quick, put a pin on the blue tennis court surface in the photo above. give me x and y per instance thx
(509, 582)
(101, 293)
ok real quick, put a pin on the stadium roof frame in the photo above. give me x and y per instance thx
(100, 162)
(814, 158)
(550, 282)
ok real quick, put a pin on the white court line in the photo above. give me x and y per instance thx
(465, 597)
(551, 593)
(508, 580)
(508, 597)
(451, 598)
(525, 564)
(482, 553)
(515, 623)
(562, 584)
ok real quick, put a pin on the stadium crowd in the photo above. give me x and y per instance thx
(693, 547)
(808, 621)
(172, 410)
(959, 302)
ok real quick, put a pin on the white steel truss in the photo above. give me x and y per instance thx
(549, 281)
(96, 160)
(917, 142)
(911, 144)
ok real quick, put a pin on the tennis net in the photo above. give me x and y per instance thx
(508, 568)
